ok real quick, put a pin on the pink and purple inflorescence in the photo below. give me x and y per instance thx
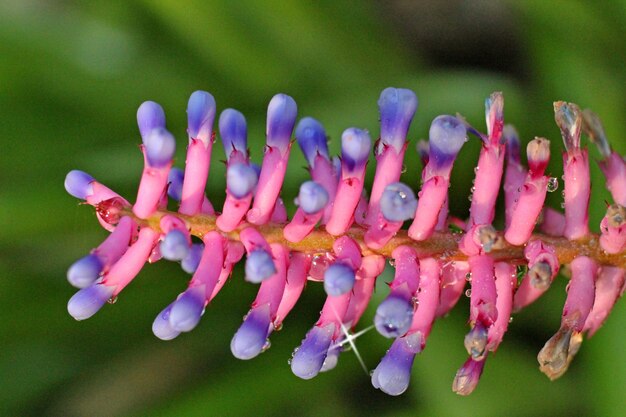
(342, 237)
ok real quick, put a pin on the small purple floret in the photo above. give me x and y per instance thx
(311, 137)
(355, 148)
(86, 302)
(160, 146)
(339, 278)
(394, 316)
(447, 136)
(200, 115)
(281, 117)
(241, 179)
(397, 107)
(150, 116)
(259, 266)
(393, 373)
(187, 309)
(161, 326)
(398, 202)
(192, 260)
(251, 338)
(175, 179)
(175, 246)
(312, 197)
(309, 358)
(85, 271)
(79, 184)
(233, 131)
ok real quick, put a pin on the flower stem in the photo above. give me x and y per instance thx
(443, 246)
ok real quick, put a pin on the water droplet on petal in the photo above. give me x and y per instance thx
(553, 184)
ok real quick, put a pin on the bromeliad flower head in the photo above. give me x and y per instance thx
(341, 237)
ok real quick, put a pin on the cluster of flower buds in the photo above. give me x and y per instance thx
(342, 237)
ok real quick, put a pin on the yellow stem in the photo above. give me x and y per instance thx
(444, 246)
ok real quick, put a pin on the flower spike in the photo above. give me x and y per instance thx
(341, 237)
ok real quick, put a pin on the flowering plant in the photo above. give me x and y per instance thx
(341, 236)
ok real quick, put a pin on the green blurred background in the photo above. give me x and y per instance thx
(72, 75)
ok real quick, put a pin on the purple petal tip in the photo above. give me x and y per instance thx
(86, 302)
(160, 146)
(251, 338)
(200, 115)
(309, 358)
(397, 107)
(259, 266)
(312, 197)
(398, 202)
(338, 279)
(85, 271)
(175, 246)
(355, 148)
(311, 138)
(187, 309)
(394, 316)
(393, 373)
(79, 184)
(281, 117)
(150, 116)
(161, 326)
(233, 131)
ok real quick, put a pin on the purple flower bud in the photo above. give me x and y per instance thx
(355, 148)
(251, 338)
(394, 316)
(234, 132)
(86, 302)
(160, 146)
(241, 179)
(467, 377)
(398, 202)
(308, 359)
(393, 373)
(397, 107)
(200, 115)
(312, 197)
(175, 246)
(175, 179)
(259, 266)
(79, 184)
(192, 260)
(161, 326)
(447, 135)
(187, 309)
(311, 137)
(338, 279)
(85, 271)
(150, 116)
(281, 117)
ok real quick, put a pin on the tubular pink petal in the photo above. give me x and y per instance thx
(129, 264)
(609, 286)
(453, 279)
(506, 281)
(299, 265)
